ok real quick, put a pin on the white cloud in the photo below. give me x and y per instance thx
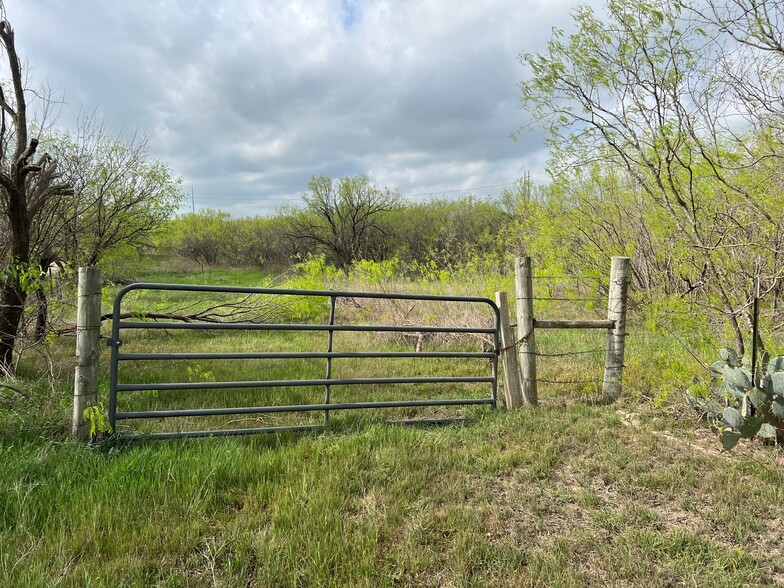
(246, 100)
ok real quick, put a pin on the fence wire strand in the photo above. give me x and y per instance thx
(569, 382)
(568, 277)
(565, 299)
(568, 353)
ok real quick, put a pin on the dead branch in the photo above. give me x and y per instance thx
(19, 391)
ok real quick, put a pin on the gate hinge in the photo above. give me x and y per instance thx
(113, 342)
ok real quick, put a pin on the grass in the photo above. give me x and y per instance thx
(563, 496)
(568, 494)
(164, 269)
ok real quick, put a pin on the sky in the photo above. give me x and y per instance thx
(247, 100)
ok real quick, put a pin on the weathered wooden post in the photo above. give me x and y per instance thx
(88, 338)
(620, 278)
(513, 393)
(524, 290)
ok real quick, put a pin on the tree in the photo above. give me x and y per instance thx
(200, 236)
(27, 185)
(342, 217)
(645, 91)
(754, 68)
(448, 233)
(758, 24)
(89, 194)
(121, 196)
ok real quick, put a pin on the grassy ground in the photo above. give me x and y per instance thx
(567, 494)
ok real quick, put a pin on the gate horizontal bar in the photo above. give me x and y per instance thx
(293, 292)
(298, 383)
(304, 355)
(152, 414)
(285, 327)
(598, 324)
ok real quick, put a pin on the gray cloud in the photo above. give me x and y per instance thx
(246, 100)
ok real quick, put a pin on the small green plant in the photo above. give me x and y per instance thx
(98, 418)
(313, 273)
(51, 338)
(199, 374)
(741, 404)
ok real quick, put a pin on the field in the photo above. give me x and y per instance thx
(572, 493)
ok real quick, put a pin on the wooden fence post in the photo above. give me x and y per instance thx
(513, 393)
(525, 327)
(620, 277)
(88, 338)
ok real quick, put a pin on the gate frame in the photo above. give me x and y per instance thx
(115, 342)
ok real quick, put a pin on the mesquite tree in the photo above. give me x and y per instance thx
(652, 95)
(28, 182)
(343, 217)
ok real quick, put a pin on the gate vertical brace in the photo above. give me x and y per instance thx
(114, 342)
(330, 335)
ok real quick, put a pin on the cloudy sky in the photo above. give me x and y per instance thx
(246, 100)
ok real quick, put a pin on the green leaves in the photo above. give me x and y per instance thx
(710, 407)
(750, 427)
(28, 276)
(759, 399)
(98, 418)
(777, 383)
(777, 407)
(773, 384)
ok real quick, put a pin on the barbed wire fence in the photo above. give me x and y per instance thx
(574, 302)
(520, 353)
(565, 296)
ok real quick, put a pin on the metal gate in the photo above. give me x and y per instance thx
(117, 358)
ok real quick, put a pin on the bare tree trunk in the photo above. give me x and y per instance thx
(12, 295)
(25, 187)
(12, 301)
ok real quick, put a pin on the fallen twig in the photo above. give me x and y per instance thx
(19, 391)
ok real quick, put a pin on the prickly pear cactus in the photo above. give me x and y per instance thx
(741, 404)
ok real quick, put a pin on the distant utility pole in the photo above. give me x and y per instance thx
(193, 201)
(527, 186)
